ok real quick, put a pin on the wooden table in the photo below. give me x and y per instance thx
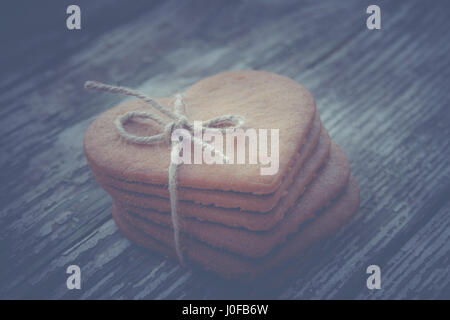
(382, 94)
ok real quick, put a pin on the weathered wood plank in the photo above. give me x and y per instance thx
(425, 257)
(379, 93)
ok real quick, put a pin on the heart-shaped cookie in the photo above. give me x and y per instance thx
(265, 100)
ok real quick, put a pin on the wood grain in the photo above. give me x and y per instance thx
(383, 95)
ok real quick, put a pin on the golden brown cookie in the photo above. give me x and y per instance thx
(265, 100)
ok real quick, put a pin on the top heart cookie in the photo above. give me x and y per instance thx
(265, 100)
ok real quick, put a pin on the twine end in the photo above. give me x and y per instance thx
(89, 84)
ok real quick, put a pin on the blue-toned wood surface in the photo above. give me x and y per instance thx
(383, 95)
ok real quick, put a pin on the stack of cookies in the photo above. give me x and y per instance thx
(232, 219)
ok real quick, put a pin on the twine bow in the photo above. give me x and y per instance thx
(176, 120)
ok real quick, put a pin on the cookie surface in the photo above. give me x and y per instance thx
(328, 184)
(266, 100)
(230, 265)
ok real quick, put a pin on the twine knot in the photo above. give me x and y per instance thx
(180, 123)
